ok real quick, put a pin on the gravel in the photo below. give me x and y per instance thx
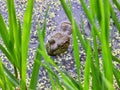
(56, 15)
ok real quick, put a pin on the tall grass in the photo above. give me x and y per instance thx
(98, 74)
(16, 43)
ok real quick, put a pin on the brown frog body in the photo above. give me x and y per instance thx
(60, 40)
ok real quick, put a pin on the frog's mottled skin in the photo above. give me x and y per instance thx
(59, 42)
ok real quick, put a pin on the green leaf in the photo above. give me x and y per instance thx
(107, 83)
(44, 23)
(14, 81)
(25, 41)
(117, 4)
(3, 31)
(115, 18)
(117, 75)
(8, 55)
(6, 85)
(12, 23)
(87, 69)
(106, 52)
(76, 49)
(96, 77)
(35, 71)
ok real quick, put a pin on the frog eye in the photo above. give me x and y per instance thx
(51, 41)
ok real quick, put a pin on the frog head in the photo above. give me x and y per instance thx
(57, 44)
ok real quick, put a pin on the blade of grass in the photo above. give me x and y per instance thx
(25, 41)
(35, 71)
(19, 42)
(44, 23)
(11, 77)
(107, 19)
(14, 32)
(87, 69)
(13, 43)
(11, 27)
(107, 83)
(115, 19)
(3, 31)
(115, 59)
(76, 50)
(4, 79)
(117, 75)
(95, 10)
(117, 4)
(8, 55)
(107, 60)
(95, 49)
(96, 77)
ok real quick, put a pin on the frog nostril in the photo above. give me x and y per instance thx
(51, 41)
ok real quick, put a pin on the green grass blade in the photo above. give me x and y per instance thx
(19, 36)
(96, 77)
(8, 55)
(3, 31)
(87, 69)
(11, 77)
(107, 19)
(117, 4)
(25, 41)
(35, 71)
(115, 59)
(106, 53)
(115, 19)
(76, 49)
(95, 45)
(67, 85)
(44, 23)
(13, 43)
(13, 23)
(117, 76)
(107, 83)
(92, 7)
(4, 79)
(52, 81)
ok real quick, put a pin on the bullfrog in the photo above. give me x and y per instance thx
(60, 40)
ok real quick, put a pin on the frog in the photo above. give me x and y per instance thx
(59, 41)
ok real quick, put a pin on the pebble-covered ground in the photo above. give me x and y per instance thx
(55, 17)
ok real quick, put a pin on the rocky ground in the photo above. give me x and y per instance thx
(55, 17)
